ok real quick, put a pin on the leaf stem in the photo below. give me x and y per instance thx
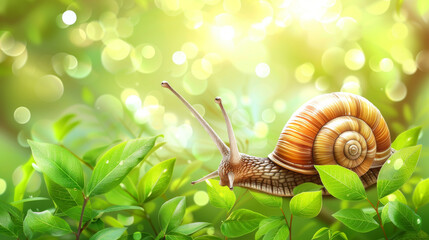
(379, 217)
(290, 227)
(236, 202)
(80, 159)
(79, 228)
(284, 215)
(147, 217)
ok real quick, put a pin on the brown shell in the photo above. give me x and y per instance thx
(335, 128)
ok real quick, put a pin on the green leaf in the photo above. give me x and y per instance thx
(397, 170)
(177, 236)
(385, 214)
(15, 216)
(356, 220)
(116, 163)
(412, 236)
(64, 126)
(119, 208)
(32, 199)
(341, 183)
(64, 198)
(421, 194)
(306, 187)
(7, 226)
(277, 234)
(92, 155)
(220, 197)
(268, 224)
(171, 213)
(407, 139)
(155, 181)
(27, 171)
(60, 165)
(322, 234)
(76, 211)
(241, 222)
(404, 217)
(337, 235)
(395, 196)
(119, 196)
(306, 204)
(109, 233)
(45, 222)
(268, 200)
(207, 237)
(190, 228)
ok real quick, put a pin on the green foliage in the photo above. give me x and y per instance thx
(326, 234)
(306, 187)
(241, 222)
(267, 200)
(421, 194)
(45, 223)
(395, 196)
(342, 183)
(404, 217)
(115, 164)
(171, 213)
(11, 221)
(306, 204)
(190, 228)
(64, 126)
(27, 171)
(397, 170)
(407, 139)
(356, 220)
(155, 181)
(58, 164)
(64, 198)
(270, 226)
(385, 214)
(108, 233)
(221, 197)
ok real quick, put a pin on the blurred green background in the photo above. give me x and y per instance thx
(105, 60)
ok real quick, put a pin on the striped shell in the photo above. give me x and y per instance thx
(335, 128)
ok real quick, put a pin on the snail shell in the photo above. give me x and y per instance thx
(335, 128)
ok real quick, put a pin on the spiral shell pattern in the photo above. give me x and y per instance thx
(335, 128)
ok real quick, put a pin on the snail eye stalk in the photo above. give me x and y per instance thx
(209, 176)
(224, 150)
(234, 154)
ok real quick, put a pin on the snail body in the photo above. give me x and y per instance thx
(334, 128)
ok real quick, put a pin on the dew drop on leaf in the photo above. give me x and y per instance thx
(419, 220)
(107, 161)
(121, 162)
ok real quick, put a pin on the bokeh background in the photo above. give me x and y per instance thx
(105, 60)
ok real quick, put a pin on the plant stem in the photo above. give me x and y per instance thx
(284, 215)
(147, 216)
(379, 217)
(236, 202)
(290, 227)
(80, 159)
(79, 228)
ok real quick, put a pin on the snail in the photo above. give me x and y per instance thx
(334, 128)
